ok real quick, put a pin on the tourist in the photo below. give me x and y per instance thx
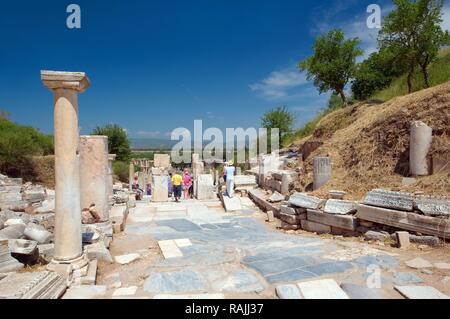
(149, 189)
(170, 185)
(136, 188)
(191, 189)
(177, 182)
(187, 183)
(229, 178)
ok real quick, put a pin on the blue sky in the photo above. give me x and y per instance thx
(158, 65)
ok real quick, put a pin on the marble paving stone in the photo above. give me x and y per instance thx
(322, 289)
(184, 281)
(360, 292)
(85, 292)
(129, 291)
(442, 266)
(420, 292)
(238, 281)
(169, 249)
(385, 261)
(289, 276)
(418, 263)
(180, 225)
(406, 278)
(183, 242)
(288, 292)
(275, 266)
(328, 268)
(126, 259)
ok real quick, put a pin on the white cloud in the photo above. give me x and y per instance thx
(279, 83)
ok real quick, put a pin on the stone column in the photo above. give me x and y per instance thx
(65, 87)
(131, 177)
(322, 171)
(110, 179)
(94, 174)
(262, 171)
(420, 143)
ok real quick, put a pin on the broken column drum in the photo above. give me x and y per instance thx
(65, 87)
(420, 143)
(94, 174)
(322, 171)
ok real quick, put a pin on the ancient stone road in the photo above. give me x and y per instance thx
(210, 253)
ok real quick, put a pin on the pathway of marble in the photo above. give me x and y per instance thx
(194, 249)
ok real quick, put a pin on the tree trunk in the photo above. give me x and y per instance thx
(343, 97)
(410, 75)
(426, 77)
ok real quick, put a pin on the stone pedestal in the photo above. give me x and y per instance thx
(94, 174)
(110, 173)
(322, 171)
(420, 143)
(65, 87)
(160, 188)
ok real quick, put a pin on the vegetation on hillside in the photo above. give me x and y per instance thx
(18, 143)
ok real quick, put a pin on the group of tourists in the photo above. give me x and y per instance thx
(182, 184)
(179, 184)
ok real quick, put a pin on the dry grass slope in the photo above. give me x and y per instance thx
(369, 143)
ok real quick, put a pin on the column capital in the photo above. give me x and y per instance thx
(112, 157)
(77, 81)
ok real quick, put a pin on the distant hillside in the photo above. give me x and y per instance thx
(151, 144)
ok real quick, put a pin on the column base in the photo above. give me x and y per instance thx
(68, 266)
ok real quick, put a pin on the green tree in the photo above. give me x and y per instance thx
(278, 118)
(333, 63)
(412, 33)
(118, 141)
(375, 73)
(3, 114)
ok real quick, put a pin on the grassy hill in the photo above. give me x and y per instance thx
(369, 143)
(439, 73)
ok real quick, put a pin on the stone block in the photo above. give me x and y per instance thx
(205, 187)
(161, 160)
(389, 199)
(407, 221)
(32, 285)
(276, 198)
(339, 207)
(160, 188)
(38, 233)
(336, 194)
(292, 219)
(305, 201)
(129, 291)
(322, 289)
(169, 249)
(347, 222)
(286, 226)
(420, 292)
(402, 239)
(418, 263)
(315, 227)
(231, 204)
(126, 259)
(288, 292)
(25, 251)
(322, 171)
(270, 217)
(91, 276)
(12, 232)
(374, 235)
(7, 262)
(46, 252)
(98, 251)
(34, 195)
(245, 180)
(85, 292)
(430, 206)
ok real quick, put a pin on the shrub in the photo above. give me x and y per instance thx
(121, 170)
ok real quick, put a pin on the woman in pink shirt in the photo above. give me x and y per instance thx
(187, 182)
